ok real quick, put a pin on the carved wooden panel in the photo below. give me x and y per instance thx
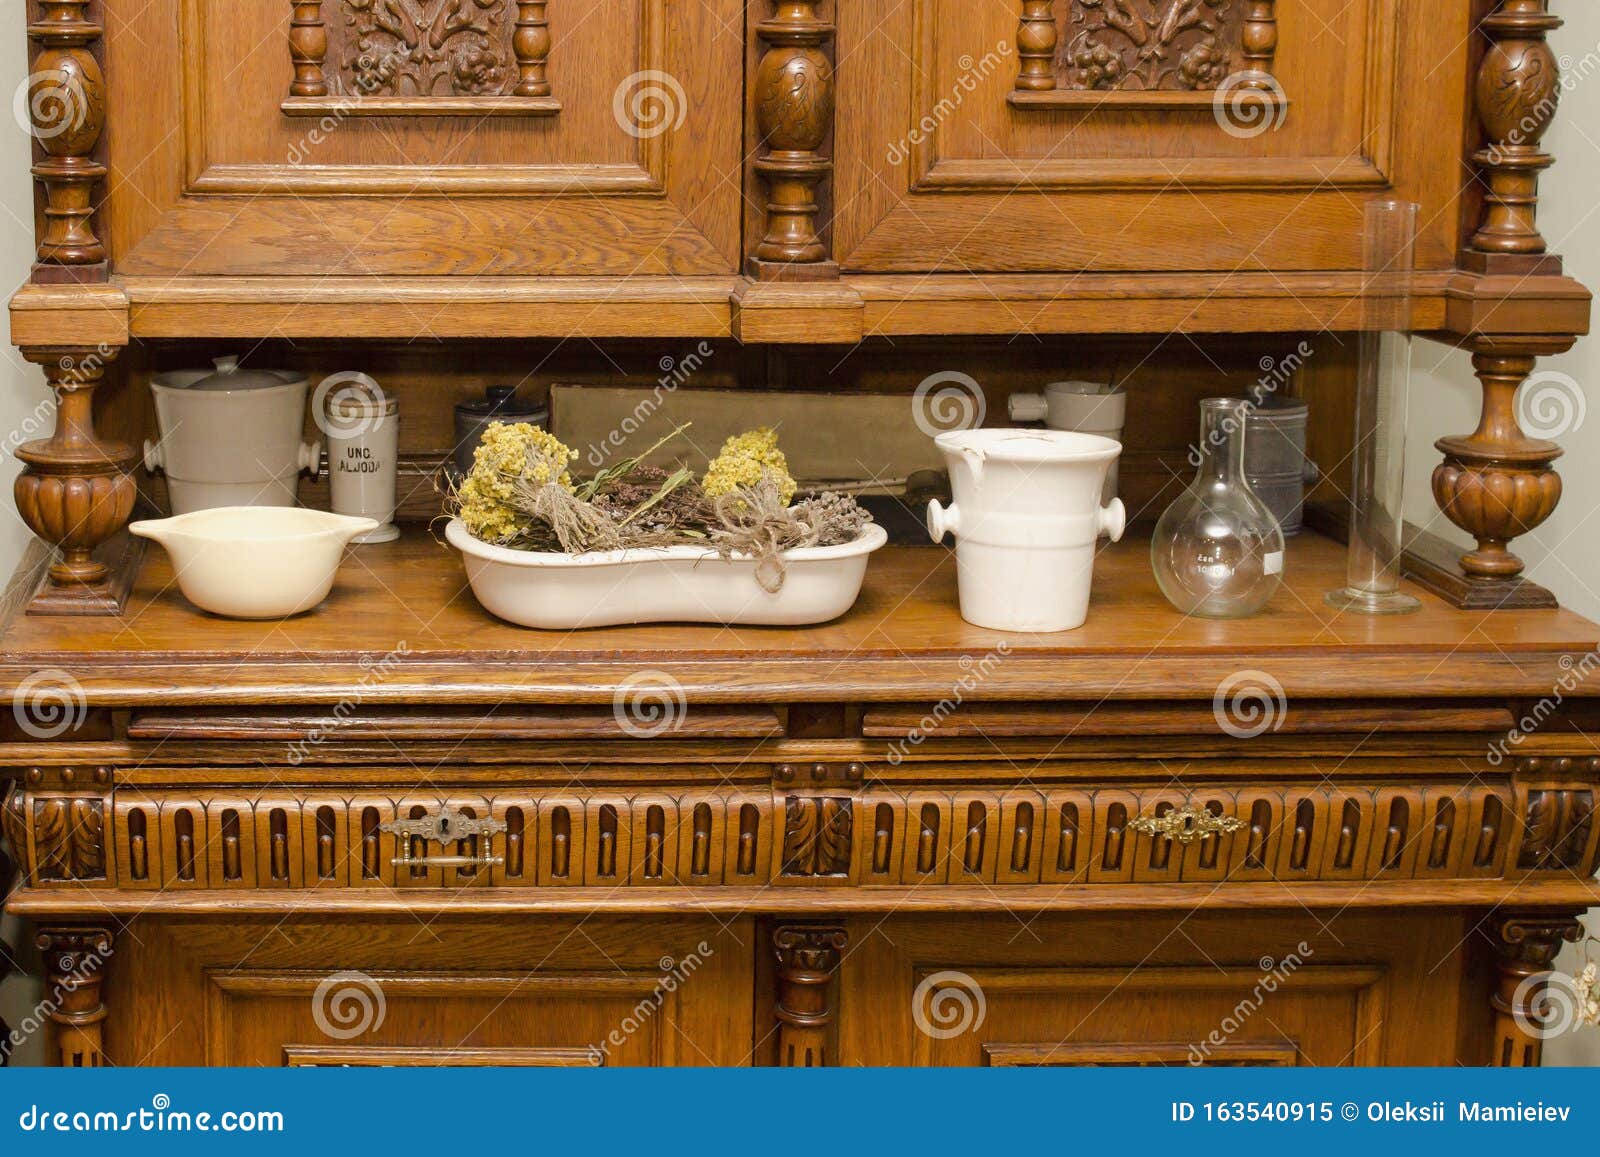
(943, 164)
(420, 58)
(598, 837)
(1144, 53)
(637, 176)
(1556, 826)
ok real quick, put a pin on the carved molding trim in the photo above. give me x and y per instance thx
(793, 92)
(1518, 89)
(1150, 54)
(291, 838)
(66, 101)
(420, 58)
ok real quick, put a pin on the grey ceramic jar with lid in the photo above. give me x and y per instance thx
(230, 436)
(498, 404)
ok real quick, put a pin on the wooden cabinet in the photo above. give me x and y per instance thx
(787, 876)
(1043, 990)
(557, 992)
(627, 168)
(231, 820)
(951, 167)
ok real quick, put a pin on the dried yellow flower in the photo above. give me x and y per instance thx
(507, 455)
(744, 460)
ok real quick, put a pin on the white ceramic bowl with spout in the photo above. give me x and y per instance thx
(255, 562)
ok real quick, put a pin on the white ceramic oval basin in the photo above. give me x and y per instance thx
(255, 562)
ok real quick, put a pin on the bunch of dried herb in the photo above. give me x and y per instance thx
(520, 494)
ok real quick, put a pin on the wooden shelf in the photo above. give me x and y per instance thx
(405, 609)
(854, 306)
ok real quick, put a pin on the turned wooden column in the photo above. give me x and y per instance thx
(308, 48)
(1497, 483)
(1528, 945)
(1037, 39)
(75, 962)
(66, 101)
(808, 958)
(793, 94)
(75, 490)
(532, 45)
(1518, 87)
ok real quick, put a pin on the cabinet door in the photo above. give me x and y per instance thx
(1181, 135)
(417, 156)
(1150, 989)
(428, 991)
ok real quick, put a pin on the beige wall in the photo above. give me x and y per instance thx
(1564, 555)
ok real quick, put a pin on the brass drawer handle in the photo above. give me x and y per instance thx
(1187, 824)
(445, 827)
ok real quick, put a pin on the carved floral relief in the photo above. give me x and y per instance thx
(425, 48)
(1150, 45)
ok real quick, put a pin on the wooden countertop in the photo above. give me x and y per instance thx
(402, 626)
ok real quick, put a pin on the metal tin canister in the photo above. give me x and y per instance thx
(1275, 458)
(499, 404)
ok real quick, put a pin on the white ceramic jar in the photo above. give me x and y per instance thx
(1027, 517)
(230, 436)
(363, 429)
(1083, 407)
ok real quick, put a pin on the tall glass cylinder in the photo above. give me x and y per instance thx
(1377, 474)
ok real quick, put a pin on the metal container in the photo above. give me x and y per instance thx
(1275, 459)
(498, 404)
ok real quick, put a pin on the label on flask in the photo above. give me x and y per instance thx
(1273, 564)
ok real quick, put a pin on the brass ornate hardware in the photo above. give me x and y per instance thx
(1187, 824)
(445, 827)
